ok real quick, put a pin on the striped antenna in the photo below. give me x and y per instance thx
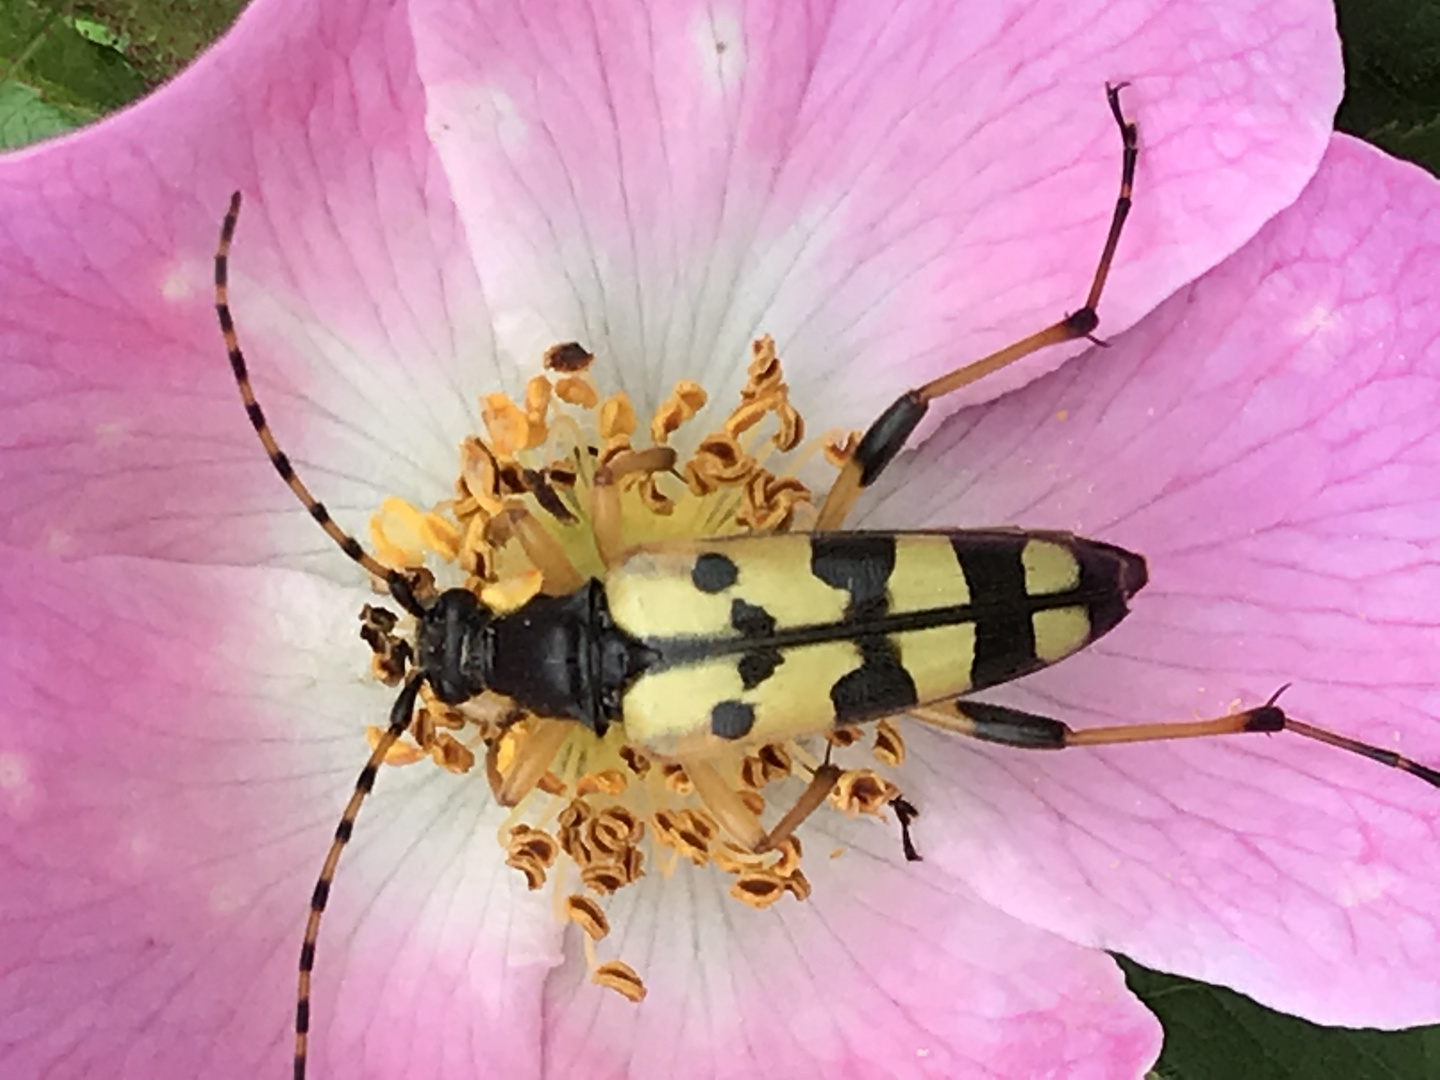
(399, 587)
(400, 716)
(404, 708)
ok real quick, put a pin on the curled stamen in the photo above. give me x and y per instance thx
(621, 978)
(588, 915)
(889, 747)
(585, 806)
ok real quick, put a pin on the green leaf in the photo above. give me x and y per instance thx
(1392, 76)
(159, 37)
(43, 52)
(25, 118)
(101, 34)
(1216, 1034)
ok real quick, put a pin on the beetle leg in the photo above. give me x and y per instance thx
(530, 759)
(725, 804)
(557, 572)
(1027, 731)
(822, 782)
(887, 436)
(739, 821)
(605, 496)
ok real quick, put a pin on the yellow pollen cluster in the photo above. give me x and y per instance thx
(591, 815)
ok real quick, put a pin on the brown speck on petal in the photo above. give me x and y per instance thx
(568, 358)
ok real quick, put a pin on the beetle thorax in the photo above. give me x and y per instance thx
(453, 643)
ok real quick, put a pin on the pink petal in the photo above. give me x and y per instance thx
(890, 970)
(434, 194)
(168, 785)
(1269, 440)
(896, 189)
(364, 318)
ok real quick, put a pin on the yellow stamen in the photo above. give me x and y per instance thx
(576, 390)
(523, 521)
(621, 978)
(889, 748)
(400, 753)
(617, 417)
(512, 593)
(451, 754)
(507, 425)
(685, 400)
(862, 791)
(588, 915)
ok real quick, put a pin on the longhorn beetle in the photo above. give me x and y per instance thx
(702, 644)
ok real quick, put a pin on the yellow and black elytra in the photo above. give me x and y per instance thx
(770, 637)
(695, 646)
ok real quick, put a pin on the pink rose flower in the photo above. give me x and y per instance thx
(435, 193)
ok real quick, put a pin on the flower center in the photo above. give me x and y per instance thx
(591, 815)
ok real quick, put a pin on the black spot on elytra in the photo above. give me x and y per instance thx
(878, 687)
(714, 573)
(751, 621)
(859, 563)
(731, 720)
(757, 665)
